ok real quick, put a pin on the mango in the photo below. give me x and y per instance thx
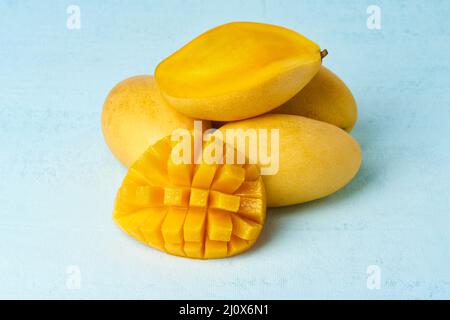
(238, 70)
(325, 98)
(315, 158)
(136, 116)
(195, 210)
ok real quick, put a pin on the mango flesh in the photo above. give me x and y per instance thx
(325, 98)
(135, 116)
(200, 211)
(237, 70)
(315, 158)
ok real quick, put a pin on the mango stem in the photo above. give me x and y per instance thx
(323, 53)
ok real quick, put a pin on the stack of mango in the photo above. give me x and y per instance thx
(240, 76)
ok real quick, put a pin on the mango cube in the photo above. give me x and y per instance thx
(142, 196)
(251, 189)
(223, 201)
(194, 249)
(215, 249)
(244, 228)
(194, 225)
(204, 175)
(172, 227)
(229, 178)
(199, 198)
(176, 196)
(179, 174)
(237, 245)
(151, 228)
(219, 225)
(175, 249)
(251, 208)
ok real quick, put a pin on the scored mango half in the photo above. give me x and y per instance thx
(201, 210)
(238, 70)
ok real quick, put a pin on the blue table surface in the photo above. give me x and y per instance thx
(58, 179)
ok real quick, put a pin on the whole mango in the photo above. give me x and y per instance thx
(326, 98)
(315, 158)
(135, 116)
(238, 70)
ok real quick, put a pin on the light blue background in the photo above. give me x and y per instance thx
(58, 179)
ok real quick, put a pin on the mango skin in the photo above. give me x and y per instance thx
(326, 98)
(238, 70)
(316, 158)
(136, 116)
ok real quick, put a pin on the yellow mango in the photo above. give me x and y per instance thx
(325, 98)
(217, 211)
(135, 116)
(315, 160)
(238, 70)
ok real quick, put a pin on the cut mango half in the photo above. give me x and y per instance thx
(238, 70)
(201, 211)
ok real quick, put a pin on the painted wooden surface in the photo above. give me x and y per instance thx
(58, 179)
